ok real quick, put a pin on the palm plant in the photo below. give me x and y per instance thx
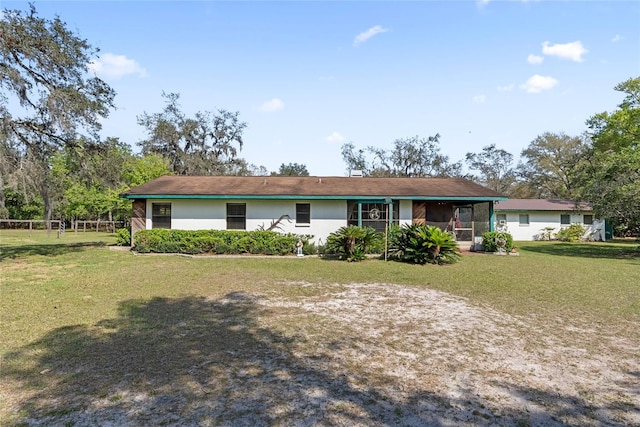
(421, 243)
(351, 243)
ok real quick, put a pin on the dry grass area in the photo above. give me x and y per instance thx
(356, 354)
(242, 343)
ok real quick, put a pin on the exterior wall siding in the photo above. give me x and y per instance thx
(210, 214)
(327, 216)
(138, 217)
(538, 221)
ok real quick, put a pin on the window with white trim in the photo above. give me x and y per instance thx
(523, 219)
(565, 219)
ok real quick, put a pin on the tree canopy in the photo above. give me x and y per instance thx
(291, 169)
(44, 77)
(409, 157)
(495, 168)
(549, 163)
(610, 179)
(206, 144)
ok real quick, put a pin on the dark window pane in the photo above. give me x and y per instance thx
(303, 213)
(236, 216)
(565, 219)
(588, 220)
(161, 215)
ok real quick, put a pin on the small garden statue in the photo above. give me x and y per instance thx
(299, 248)
(501, 242)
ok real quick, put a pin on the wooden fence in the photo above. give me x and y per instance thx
(33, 224)
(109, 226)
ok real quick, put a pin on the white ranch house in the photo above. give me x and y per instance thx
(312, 205)
(537, 219)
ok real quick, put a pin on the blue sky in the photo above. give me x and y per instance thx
(308, 77)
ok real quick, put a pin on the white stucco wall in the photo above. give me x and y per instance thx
(206, 214)
(538, 221)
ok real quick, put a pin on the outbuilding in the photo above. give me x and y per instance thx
(540, 219)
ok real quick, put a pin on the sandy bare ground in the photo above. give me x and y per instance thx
(360, 354)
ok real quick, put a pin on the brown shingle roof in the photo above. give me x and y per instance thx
(315, 187)
(540, 205)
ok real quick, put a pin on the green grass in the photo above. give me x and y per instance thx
(49, 282)
(63, 298)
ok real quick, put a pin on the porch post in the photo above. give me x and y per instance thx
(492, 217)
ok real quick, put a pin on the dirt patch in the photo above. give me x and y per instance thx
(489, 363)
(358, 354)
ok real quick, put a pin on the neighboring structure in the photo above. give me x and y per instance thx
(311, 205)
(540, 219)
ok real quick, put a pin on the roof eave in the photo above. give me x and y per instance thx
(309, 197)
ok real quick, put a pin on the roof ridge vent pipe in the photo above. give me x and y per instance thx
(319, 180)
(264, 182)
(355, 173)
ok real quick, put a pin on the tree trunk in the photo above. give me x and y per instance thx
(48, 204)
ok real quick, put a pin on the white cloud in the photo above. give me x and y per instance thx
(366, 35)
(334, 138)
(272, 105)
(572, 51)
(617, 38)
(538, 83)
(507, 88)
(535, 59)
(116, 66)
(479, 99)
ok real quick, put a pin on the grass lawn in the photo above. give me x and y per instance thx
(92, 335)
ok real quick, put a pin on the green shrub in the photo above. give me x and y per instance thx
(421, 244)
(123, 237)
(219, 242)
(489, 241)
(572, 233)
(352, 243)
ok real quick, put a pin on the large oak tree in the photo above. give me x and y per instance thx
(48, 97)
(610, 180)
(205, 144)
(409, 157)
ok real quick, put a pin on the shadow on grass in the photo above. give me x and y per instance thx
(584, 250)
(193, 361)
(54, 249)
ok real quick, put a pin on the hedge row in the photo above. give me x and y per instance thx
(219, 242)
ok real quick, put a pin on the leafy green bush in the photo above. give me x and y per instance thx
(572, 233)
(123, 237)
(352, 243)
(219, 242)
(489, 243)
(421, 244)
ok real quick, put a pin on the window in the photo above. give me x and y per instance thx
(524, 219)
(587, 219)
(161, 215)
(565, 219)
(501, 219)
(303, 213)
(236, 216)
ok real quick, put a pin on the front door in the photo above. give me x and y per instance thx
(463, 223)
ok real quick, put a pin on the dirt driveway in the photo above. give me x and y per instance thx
(342, 355)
